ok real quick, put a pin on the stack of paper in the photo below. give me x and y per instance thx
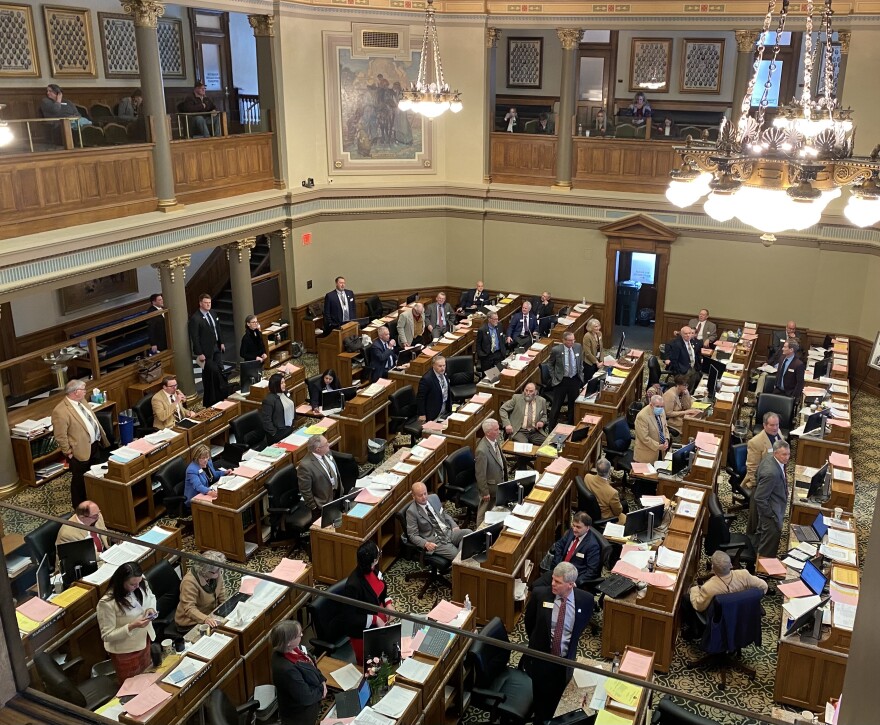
(150, 698)
(516, 524)
(394, 703)
(669, 559)
(548, 480)
(290, 570)
(347, 677)
(414, 670)
(527, 510)
(690, 494)
(845, 539)
(520, 447)
(688, 508)
(184, 672)
(444, 612)
(123, 553)
(209, 647)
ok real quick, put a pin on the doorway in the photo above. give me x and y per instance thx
(212, 55)
(635, 298)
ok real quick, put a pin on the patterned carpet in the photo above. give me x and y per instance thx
(756, 696)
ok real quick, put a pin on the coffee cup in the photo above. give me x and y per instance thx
(838, 513)
(167, 646)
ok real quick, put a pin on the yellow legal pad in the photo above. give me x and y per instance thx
(314, 430)
(701, 406)
(539, 495)
(26, 624)
(618, 373)
(844, 575)
(548, 451)
(66, 598)
(623, 691)
(603, 717)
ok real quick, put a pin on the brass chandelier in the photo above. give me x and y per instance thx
(780, 176)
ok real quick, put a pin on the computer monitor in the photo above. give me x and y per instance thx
(476, 545)
(76, 559)
(594, 384)
(819, 485)
(333, 399)
(813, 578)
(578, 434)
(641, 523)
(414, 297)
(332, 511)
(383, 640)
(225, 609)
(816, 423)
(714, 373)
(808, 618)
(508, 493)
(44, 578)
(620, 347)
(820, 369)
(681, 457)
(819, 526)
(408, 355)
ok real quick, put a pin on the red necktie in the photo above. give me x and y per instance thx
(559, 629)
(571, 550)
(99, 547)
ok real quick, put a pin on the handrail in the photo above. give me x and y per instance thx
(183, 130)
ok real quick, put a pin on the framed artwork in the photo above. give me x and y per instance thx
(874, 359)
(98, 290)
(525, 60)
(119, 49)
(171, 55)
(18, 45)
(649, 64)
(702, 62)
(69, 37)
(366, 131)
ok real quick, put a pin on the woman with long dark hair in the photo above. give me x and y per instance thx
(329, 380)
(252, 352)
(277, 410)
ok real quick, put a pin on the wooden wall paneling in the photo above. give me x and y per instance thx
(622, 164)
(523, 159)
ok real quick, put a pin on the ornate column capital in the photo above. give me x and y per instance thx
(263, 25)
(745, 40)
(241, 247)
(493, 35)
(281, 235)
(569, 37)
(146, 12)
(172, 265)
(844, 37)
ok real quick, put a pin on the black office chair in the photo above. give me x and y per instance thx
(460, 370)
(718, 536)
(618, 439)
(505, 693)
(248, 432)
(172, 480)
(392, 329)
(438, 567)
(289, 518)
(143, 413)
(668, 713)
(90, 695)
(723, 644)
(736, 472)
(374, 307)
(348, 470)
(656, 373)
(323, 613)
(165, 583)
(633, 410)
(41, 542)
(588, 503)
(105, 418)
(459, 470)
(220, 711)
(546, 384)
(782, 405)
(403, 414)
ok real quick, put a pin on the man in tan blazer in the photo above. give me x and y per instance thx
(677, 401)
(759, 446)
(606, 495)
(169, 404)
(491, 468)
(652, 432)
(79, 436)
(515, 416)
(87, 514)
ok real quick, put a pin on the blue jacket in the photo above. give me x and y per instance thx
(587, 557)
(197, 480)
(733, 621)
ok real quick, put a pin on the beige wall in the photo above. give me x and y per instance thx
(870, 321)
(861, 78)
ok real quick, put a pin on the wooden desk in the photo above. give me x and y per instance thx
(577, 324)
(294, 383)
(613, 402)
(364, 417)
(803, 512)
(490, 584)
(331, 354)
(463, 430)
(512, 381)
(583, 454)
(813, 451)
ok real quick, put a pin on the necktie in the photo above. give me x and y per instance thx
(660, 430)
(494, 335)
(699, 334)
(525, 330)
(690, 349)
(559, 629)
(92, 424)
(530, 420)
(177, 414)
(209, 318)
(388, 361)
(99, 547)
(571, 372)
(571, 549)
(782, 371)
(432, 514)
(343, 303)
(328, 466)
(441, 318)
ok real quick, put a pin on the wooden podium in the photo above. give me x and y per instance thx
(332, 355)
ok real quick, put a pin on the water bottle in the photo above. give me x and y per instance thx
(739, 332)
(615, 663)
(580, 129)
(651, 564)
(104, 397)
(467, 602)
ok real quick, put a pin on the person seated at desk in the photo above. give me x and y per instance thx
(577, 546)
(683, 357)
(130, 107)
(723, 581)
(524, 416)
(639, 109)
(429, 527)
(277, 410)
(433, 398)
(652, 432)
(678, 403)
(318, 476)
(523, 324)
(545, 125)
(329, 381)
(339, 306)
(87, 514)
(201, 475)
(383, 354)
(705, 331)
(411, 326)
(606, 495)
(790, 373)
(770, 499)
(489, 466)
(592, 348)
(602, 125)
(490, 351)
(365, 584)
(778, 337)
(201, 591)
(169, 404)
(125, 615)
(252, 352)
(543, 306)
(299, 684)
(440, 316)
(472, 299)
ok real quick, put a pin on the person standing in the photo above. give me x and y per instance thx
(771, 497)
(592, 348)
(79, 435)
(440, 316)
(411, 326)
(683, 357)
(759, 446)
(652, 432)
(490, 351)
(382, 354)
(433, 398)
(277, 411)
(156, 333)
(339, 306)
(790, 374)
(566, 371)
(318, 475)
(298, 682)
(252, 352)
(365, 584)
(490, 466)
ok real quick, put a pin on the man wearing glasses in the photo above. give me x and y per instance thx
(169, 404)
(87, 514)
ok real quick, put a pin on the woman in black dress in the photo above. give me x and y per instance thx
(252, 352)
(365, 584)
(299, 684)
(277, 410)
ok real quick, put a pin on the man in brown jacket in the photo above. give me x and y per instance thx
(87, 514)
(652, 432)
(169, 404)
(758, 447)
(606, 495)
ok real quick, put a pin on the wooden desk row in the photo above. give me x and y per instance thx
(614, 401)
(813, 450)
(294, 383)
(583, 454)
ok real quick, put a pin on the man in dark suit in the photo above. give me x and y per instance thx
(555, 618)
(383, 353)
(790, 373)
(157, 336)
(317, 475)
(439, 316)
(566, 371)
(490, 467)
(579, 547)
(522, 325)
(778, 337)
(543, 306)
(433, 398)
(204, 332)
(339, 306)
(490, 351)
(770, 499)
(471, 299)
(683, 357)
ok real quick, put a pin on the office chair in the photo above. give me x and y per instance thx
(438, 567)
(248, 432)
(374, 307)
(718, 536)
(782, 405)
(546, 384)
(89, 695)
(618, 439)
(668, 713)
(608, 555)
(656, 373)
(172, 479)
(348, 469)
(459, 471)
(732, 621)
(403, 414)
(289, 518)
(460, 370)
(41, 542)
(220, 711)
(323, 613)
(143, 413)
(588, 503)
(165, 583)
(505, 693)
(736, 472)
(105, 418)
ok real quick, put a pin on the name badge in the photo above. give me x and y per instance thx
(548, 605)
(579, 555)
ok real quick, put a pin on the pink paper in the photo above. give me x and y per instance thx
(839, 423)
(481, 398)
(658, 579)
(444, 612)
(559, 466)
(640, 469)
(843, 594)
(289, 569)
(628, 570)
(151, 697)
(202, 498)
(432, 442)
(384, 382)
(563, 429)
(248, 584)
(838, 460)
(591, 419)
(406, 648)
(326, 423)
(304, 409)
(38, 609)
(223, 405)
(433, 425)
(814, 392)
(705, 439)
(509, 373)
(428, 352)
(133, 685)
(635, 354)
(417, 639)
(773, 567)
(795, 589)
(366, 497)
(635, 665)
(142, 445)
(245, 472)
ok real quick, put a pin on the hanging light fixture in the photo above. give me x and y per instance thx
(6, 135)
(781, 176)
(430, 95)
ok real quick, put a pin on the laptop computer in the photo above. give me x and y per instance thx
(492, 375)
(813, 533)
(225, 609)
(351, 702)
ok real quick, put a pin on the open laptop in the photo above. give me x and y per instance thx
(351, 702)
(813, 533)
(492, 375)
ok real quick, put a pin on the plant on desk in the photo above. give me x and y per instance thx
(379, 672)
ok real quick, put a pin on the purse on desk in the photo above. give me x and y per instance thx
(150, 371)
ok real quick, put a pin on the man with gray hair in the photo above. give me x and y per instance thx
(490, 467)
(599, 483)
(652, 432)
(411, 326)
(566, 375)
(383, 354)
(683, 357)
(770, 499)
(318, 476)
(554, 619)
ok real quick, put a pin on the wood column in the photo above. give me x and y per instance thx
(571, 40)
(492, 36)
(239, 255)
(172, 276)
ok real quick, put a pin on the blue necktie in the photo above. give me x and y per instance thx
(660, 430)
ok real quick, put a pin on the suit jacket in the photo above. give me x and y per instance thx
(793, 380)
(592, 349)
(490, 467)
(201, 335)
(538, 621)
(541, 309)
(757, 447)
(587, 557)
(677, 354)
(197, 480)
(432, 315)
(549, 129)
(272, 417)
(382, 359)
(607, 497)
(557, 362)
(470, 298)
(156, 330)
(300, 690)
(429, 398)
(314, 483)
(515, 328)
(252, 345)
(68, 534)
(484, 340)
(737, 581)
(419, 529)
(71, 433)
(513, 412)
(647, 445)
(709, 333)
(164, 409)
(333, 310)
(406, 328)
(675, 403)
(353, 620)
(771, 491)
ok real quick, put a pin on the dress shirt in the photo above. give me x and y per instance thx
(493, 333)
(330, 466)
(289, 409)
(91, 422)
(698, 333)
(529, 421)
(343, 302)
(576, 542)
(511, 123)
(785, 364)
(569, 621)
(432, 515)
(690, 349)
(525, 325)
(444, 386)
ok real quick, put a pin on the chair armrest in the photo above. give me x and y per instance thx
(280, 511)
(250, 706)
(71, 663)
(326, 646)
(602, 522)
(491, 695)
(729, 517)
(453, 487)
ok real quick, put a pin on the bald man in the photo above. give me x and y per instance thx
(472, 299)
(683, 357)
(429, 527)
